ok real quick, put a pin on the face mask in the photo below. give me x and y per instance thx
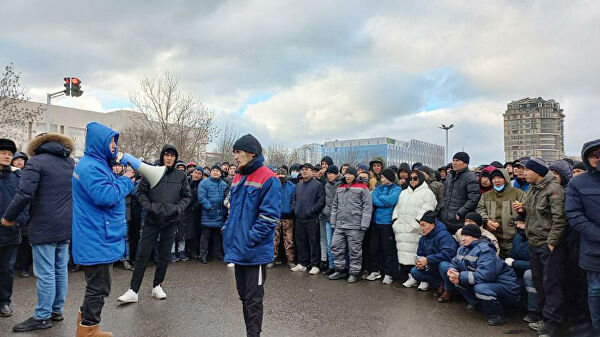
(295, 175)
(499, 189)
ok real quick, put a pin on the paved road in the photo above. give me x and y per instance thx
(202, 301)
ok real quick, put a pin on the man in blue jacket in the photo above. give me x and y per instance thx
(248, 233)
(211, 193)
(285, 226)
(582, 208)
(481, 277)
(45, 189)
(99, 222)
(10, 236)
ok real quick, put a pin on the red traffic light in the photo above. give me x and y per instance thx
(67, 80)
(75, 81)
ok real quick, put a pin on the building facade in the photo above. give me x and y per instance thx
(394, 152)
(311, 153)
(534, 127)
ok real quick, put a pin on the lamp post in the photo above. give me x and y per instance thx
(447, 128)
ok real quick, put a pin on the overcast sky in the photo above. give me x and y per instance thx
(294, 72)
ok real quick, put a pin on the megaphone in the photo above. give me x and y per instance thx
(152, 173)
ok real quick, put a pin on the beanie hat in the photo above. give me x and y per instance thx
(428, 217)
(462, 156)
(216, 167)
(579, 165)
(471, 230)
(179, 163)
(295, 167)
(281, 172)
(363, 167)
(496, 164)
(496, 173)
(538, 166)
(417, 166)
(191, 164)
(332, 169)
(475, 217)
(389, 174)
(7, 144)
(351, 170)
(248, 144)
(404, 167)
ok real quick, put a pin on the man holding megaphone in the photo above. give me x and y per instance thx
(164, 197)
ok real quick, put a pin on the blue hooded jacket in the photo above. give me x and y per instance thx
(385, 198)
(520, 252)
(99, 223)
(211, 193)
(582, 208)
(287, 194)
(255, 200)
(478, 263)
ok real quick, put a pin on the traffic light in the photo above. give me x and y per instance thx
(76, 87)
(67, 85)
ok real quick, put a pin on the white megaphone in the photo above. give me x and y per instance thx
(152, 173)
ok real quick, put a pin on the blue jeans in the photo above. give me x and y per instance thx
(532, 298)
(323, 240)
(593, 278)
(329, 232)
(431, 276)
(443, 269)
(50, 267)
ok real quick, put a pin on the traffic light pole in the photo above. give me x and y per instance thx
(49, 98)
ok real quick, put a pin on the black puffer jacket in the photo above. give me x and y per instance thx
(45, 189)
(165, 203)
(9, 181)
(461, 196)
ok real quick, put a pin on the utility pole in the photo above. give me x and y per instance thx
(49, 98)
(72, 88)
(447, 128)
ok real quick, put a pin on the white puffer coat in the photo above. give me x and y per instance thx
(411, 206)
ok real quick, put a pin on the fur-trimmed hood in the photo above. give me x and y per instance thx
(36, 145)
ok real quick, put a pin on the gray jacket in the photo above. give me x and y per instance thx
(461, 196)
(352, 207)
(329, 194)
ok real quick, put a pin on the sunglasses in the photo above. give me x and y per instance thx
(414, 178)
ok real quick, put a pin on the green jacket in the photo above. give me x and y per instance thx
(437, 188)
(544, 206)
(498, 207)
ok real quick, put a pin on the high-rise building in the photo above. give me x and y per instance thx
(394, 152)
(534, 127)
(311, 153)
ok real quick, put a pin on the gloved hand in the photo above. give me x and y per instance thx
(509, 261)
(131, 161)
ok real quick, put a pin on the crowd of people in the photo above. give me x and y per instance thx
(520, 236)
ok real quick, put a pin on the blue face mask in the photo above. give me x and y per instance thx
(295, 175)
(499, 189)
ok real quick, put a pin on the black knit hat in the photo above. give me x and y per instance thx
(248, 144)
(7, 144)
(496, 164)
(462, 156)
(389, 174)
(351, 170)
(332, 169)
(471, 230)
(216, 167)
(538, 166)
(496, 173)
(475, 217)
(404, 167)
(428, 217)
(579, 165)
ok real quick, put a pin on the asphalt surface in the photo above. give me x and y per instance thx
(202, 301)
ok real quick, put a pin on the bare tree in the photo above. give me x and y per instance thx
(138, 142)
(225, 140)
(295, 156)
(170, 116)
(14, 117)
(277, 155)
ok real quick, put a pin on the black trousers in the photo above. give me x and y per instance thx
(133, 237)
(548, 272)
(150, 233)
(308, 242)
(575, 285)
(250, 282)
(382, 250)
(212, 237)
(98, 282)
(8, 255)
(24, 254)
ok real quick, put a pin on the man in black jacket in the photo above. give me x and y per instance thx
(164, 205)
(308, 201)
(461, 193)
(10, 236)
(45, 190)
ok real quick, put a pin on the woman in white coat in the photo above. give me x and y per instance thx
(413, 202)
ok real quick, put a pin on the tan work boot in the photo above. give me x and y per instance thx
(92, 331)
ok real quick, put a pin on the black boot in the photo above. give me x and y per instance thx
(32, 324)
(203, 259)
(496, 320)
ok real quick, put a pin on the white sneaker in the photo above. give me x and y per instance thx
(129, 296)
(423, 286)
(387, 279)
(314, 271)
(299, 267)
(411, 282)
(374, 276)
(158, 293)
(230, 265)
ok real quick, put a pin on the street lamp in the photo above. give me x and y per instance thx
(447, 128)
